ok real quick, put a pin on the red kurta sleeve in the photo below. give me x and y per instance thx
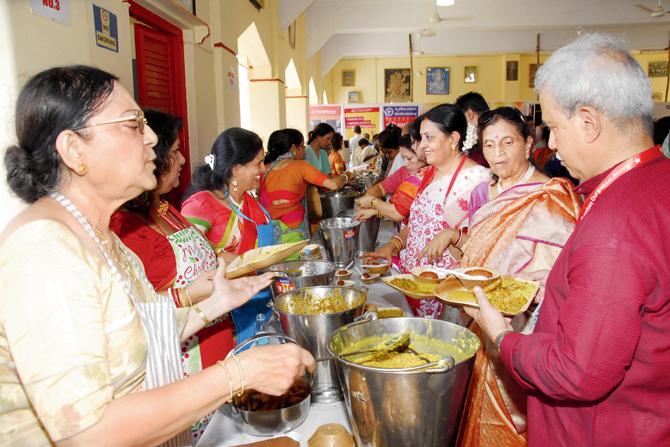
(599, 328)
(151, 247)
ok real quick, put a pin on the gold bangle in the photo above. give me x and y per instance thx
(201, 314)
(230, 382)
(237, 361)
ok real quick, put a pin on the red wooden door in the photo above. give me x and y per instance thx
(159, 51)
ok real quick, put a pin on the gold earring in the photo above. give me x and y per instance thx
(82, 170)
(235, 183)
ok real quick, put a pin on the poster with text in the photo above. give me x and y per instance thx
(325, 114)
(366, 117)
(399, 115)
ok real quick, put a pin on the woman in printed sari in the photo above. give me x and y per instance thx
(519, 222)
(285, 181)
(177, 258)
(441, 204)
(397, 208)
(219, 203)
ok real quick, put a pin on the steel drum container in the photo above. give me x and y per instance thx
(340, 239)
(367, 233)
(313, 331)
(392, 407)
(334, 202)
(298, 274)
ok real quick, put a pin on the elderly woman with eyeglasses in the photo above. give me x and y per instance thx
(519, 221)
(90, 351)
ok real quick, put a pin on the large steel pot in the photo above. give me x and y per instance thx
(367, 233)
(313, 331)
(333, 202)
(393, 407)
(270, 422)
(340, 239)
(298, 274)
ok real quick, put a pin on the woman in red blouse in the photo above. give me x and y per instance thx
(177, 258)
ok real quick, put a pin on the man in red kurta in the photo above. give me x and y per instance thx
(597, 367)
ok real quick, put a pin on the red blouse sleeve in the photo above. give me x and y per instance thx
(151, 247)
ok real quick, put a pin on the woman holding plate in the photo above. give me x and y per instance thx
(220, 204)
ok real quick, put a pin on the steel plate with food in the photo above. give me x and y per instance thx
(512, 296)
(410, 286)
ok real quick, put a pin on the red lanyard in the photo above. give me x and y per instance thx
(627, 165)
(428, 179)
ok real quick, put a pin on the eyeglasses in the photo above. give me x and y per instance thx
(509, 113)
(138, 117)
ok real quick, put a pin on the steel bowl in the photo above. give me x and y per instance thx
(298, 274)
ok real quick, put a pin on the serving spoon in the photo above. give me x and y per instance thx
(395, 343)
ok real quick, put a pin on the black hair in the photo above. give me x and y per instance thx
(320, 130)
(281, 141)
(357, 129)
(406, 142)
(472, 101)
(166, 127)
(363, 142)
(415, 129)
(338, 139)
(448, 119)
(392, 127)
(661, 129)
(235, 146)
(388, 139)
(52, 101)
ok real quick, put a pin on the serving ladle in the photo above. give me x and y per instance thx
(396, 343)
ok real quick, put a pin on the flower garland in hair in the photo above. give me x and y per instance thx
(470, 137)
(210, 159)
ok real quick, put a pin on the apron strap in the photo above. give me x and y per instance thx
(239, 212)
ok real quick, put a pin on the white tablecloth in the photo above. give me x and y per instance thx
(223, 429)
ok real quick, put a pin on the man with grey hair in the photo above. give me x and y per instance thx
(597, 367)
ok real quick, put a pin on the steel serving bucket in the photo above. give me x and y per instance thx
(392, 407)
(270, 422)
(333, 202)
(313, 331)
(367, 233)
(340, 238)
(298, 274)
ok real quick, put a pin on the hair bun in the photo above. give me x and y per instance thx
(23, 179)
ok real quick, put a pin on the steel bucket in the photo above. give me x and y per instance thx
(334, 202)
(340, 238)
(367, 233)
(312, 332)
(298, 274)
(392, 407)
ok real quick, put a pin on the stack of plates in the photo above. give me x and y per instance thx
(311, 252)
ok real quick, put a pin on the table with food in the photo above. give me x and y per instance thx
(374, 360)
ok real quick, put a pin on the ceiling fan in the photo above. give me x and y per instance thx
(657, 12)
(435, 17)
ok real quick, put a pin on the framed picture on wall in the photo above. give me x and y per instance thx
(658, 69)
(470, 74)
(397, 85)
(354, 97)
(512, 71)
(437, 81)
(188, 4)
(532, 69)
(348, 78)
(657, 97)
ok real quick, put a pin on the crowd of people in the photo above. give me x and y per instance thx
(132, 312)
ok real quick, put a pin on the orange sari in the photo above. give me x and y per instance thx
(520, 232)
